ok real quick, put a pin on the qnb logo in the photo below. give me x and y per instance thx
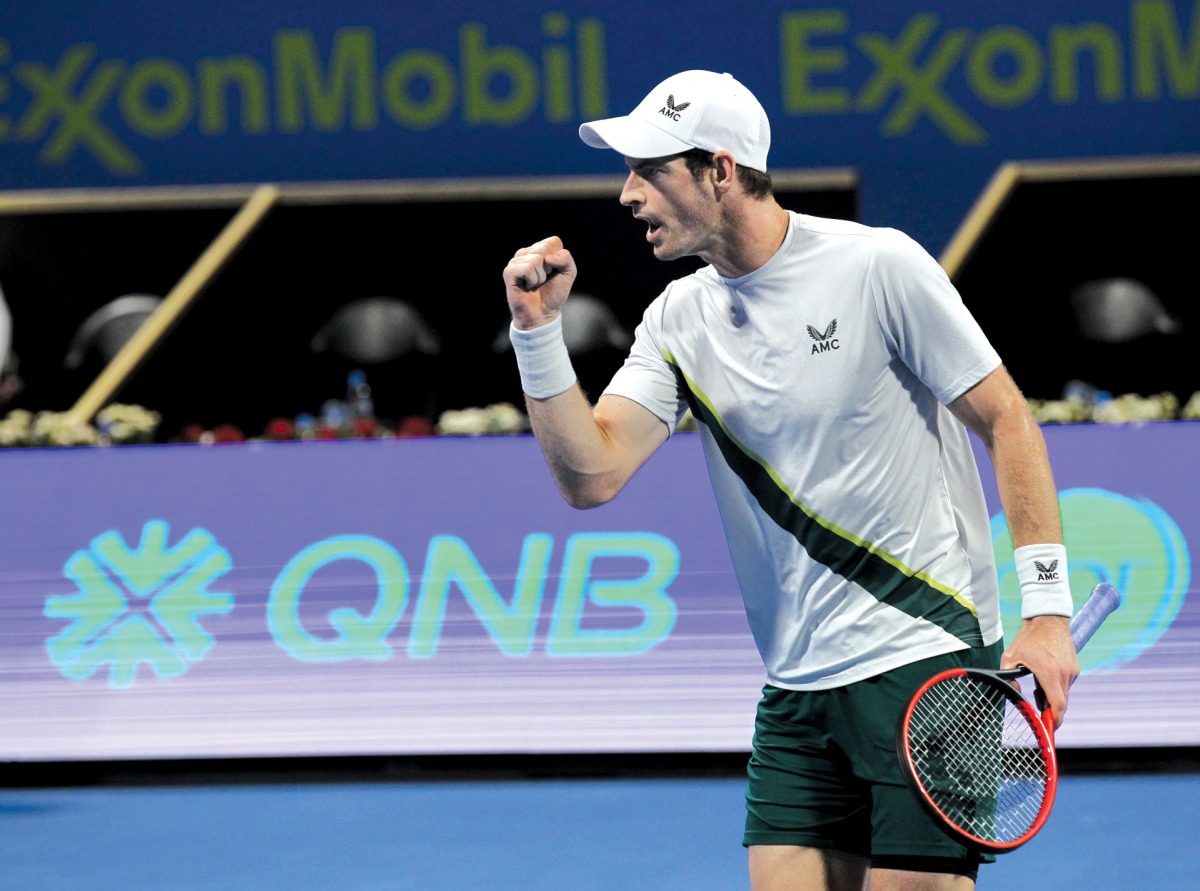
(1046, 573)
(671, 110)
(138, 606)
(824, 341)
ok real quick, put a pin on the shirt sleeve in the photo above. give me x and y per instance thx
(926, 322)
(647, 375)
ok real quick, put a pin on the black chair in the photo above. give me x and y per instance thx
(392, 344)
(103, 333)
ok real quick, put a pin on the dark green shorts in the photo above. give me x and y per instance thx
(824, 772)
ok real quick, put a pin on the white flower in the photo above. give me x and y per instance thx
(1132, 407)
(1191, 408)
(15, 429)
(462, 422)
(503, 417)
(1058, 411)
(127, 423)
(114, 424)
(60, 429)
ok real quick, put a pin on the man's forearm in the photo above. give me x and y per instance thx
(1025, 483)
(575, 446)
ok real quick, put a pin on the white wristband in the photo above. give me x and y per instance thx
(542, 359)
(1042, 572)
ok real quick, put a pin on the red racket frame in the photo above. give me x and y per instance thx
(1043, 728)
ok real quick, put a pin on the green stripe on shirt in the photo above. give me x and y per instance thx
(860, 562)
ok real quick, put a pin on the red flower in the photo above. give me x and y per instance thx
(414, 425)
(227, 433)
(365, 428)
(190, 433)
(279, 428)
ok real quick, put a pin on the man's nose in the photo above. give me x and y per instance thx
(631, 192)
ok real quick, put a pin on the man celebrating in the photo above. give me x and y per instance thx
(834, 372)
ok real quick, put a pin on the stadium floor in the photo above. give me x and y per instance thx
(1108, 832)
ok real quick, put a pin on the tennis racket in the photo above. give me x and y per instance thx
(976, 753)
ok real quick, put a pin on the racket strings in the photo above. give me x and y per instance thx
(978, 758)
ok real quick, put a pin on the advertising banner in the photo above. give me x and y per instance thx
(927, 99)
(429, 596)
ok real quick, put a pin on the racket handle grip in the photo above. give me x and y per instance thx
(1102, 601)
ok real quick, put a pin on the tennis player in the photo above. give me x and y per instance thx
(834, 372)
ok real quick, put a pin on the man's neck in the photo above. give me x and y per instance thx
(755, 230)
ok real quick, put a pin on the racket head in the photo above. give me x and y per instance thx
(979, 759)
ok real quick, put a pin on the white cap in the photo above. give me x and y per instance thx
(692, 109)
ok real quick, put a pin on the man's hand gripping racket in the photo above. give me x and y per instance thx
(977, 754)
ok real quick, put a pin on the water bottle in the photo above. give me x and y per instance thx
(1081, 392)
(336, 416)
(358, 395)
(306, 426)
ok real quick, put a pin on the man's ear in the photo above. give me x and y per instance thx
(724, 171)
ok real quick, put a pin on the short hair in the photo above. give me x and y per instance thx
(757, 183)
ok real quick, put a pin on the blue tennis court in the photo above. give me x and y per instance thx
(621, 834)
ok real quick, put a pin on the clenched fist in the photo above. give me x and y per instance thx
(537, 281)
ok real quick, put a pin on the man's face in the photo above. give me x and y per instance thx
(680, 212)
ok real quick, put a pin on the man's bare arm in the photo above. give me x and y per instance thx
(592, 452)
(996, 411)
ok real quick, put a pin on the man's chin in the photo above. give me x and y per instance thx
(665, 252)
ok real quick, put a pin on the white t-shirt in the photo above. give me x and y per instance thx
(848, 492)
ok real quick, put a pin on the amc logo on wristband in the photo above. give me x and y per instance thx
(1047, 573)
(1130, 543)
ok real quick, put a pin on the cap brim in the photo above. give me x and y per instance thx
(632, 137)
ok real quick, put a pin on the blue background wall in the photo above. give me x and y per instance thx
(925, 99)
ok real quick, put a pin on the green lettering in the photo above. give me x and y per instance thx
(1067, 46)
(216, 78)
(800, 60)
(4, 88)
(646, 595)
(304, 90)
(77, 113)
(592, 62)
(398, 77)
(156, 119)
(556, 68)
(355, 636)
(481, 66)
(511, 625)
(920, 88)
(1158, 46)
(1029, 67)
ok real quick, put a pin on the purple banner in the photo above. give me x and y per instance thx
(362, 597)
(1129, 518)
(430, 596)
